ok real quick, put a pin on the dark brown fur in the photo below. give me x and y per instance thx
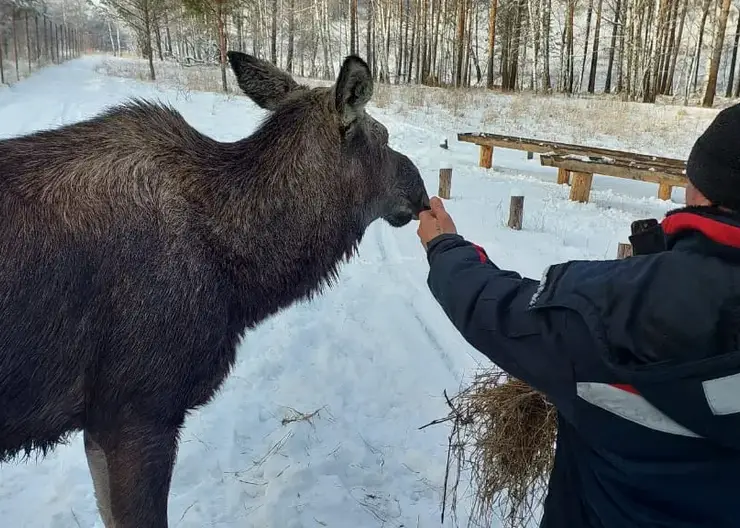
(137, 251)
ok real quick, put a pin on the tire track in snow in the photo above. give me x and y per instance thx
(396, 267)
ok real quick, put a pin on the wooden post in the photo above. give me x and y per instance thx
(624, 250)
(486, 156)
(445, 183)
(516, 212)
(581, 186)
(563, 176)
(530, 155)
(665, 191)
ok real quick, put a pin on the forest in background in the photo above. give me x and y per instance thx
(638, 49)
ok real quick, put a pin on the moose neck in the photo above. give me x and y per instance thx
(288, 223)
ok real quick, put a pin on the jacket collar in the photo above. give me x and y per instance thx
(703, 229)
(715, 224)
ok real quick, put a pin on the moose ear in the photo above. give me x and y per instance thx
(262, 82)
(353, 89)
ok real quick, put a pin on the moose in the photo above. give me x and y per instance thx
(137, 253)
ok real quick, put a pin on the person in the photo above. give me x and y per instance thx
(640, 356)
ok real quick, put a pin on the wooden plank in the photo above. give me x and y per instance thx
(563, 176)
(486, 156)
(636, 166)
(614, 169)
(544, 147)
(535, 145)
(581, 186)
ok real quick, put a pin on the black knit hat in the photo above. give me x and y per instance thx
(714, 163)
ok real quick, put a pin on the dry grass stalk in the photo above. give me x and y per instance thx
(503, 434)
(297, 416)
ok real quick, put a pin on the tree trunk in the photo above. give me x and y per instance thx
(387, 19)
(2, 66)
(654, 40)
(595, 51)
(705, 13)
(158, 37)
(514, 65)
(621, 61)
(222, 41)
(411, 48)
(148, 39)
(546, 17)
(399, 47)
(612, 49)
(422, 65)
(273, 35)
(369, 42)
(352, 27)
(468, 44)
(535, 25)
(491, 41)
(28, 45)
(730, 81)
(374, 54)
(716, 55)
(326, 70)
(15, 45)
(676, 47)
(667, 57)
(570, 67)
(167, 35)
(419, 40)
(38, 39)
(585, 45)
(460, 44)
(291, 36)
(435, 42)
(625, 73)
(406, 44)
(660, 45)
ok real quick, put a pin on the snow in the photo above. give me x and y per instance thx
(373, 355)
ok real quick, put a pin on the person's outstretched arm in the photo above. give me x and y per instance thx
(490, 308)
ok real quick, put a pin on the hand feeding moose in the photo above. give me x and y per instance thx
(137, 252)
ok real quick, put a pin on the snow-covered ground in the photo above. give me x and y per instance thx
(373, 355)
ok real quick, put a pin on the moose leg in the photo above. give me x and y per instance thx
(140, 458)
(99, 471)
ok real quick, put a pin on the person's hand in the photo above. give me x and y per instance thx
(435, 222)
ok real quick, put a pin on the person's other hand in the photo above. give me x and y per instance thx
(434, 222)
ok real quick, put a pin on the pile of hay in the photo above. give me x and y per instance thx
(504, 435)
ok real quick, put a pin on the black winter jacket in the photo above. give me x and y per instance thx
(641, 356)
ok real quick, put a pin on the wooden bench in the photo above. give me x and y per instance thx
(582, 170)
(583, 162)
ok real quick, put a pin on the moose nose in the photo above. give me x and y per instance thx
(421, 204)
